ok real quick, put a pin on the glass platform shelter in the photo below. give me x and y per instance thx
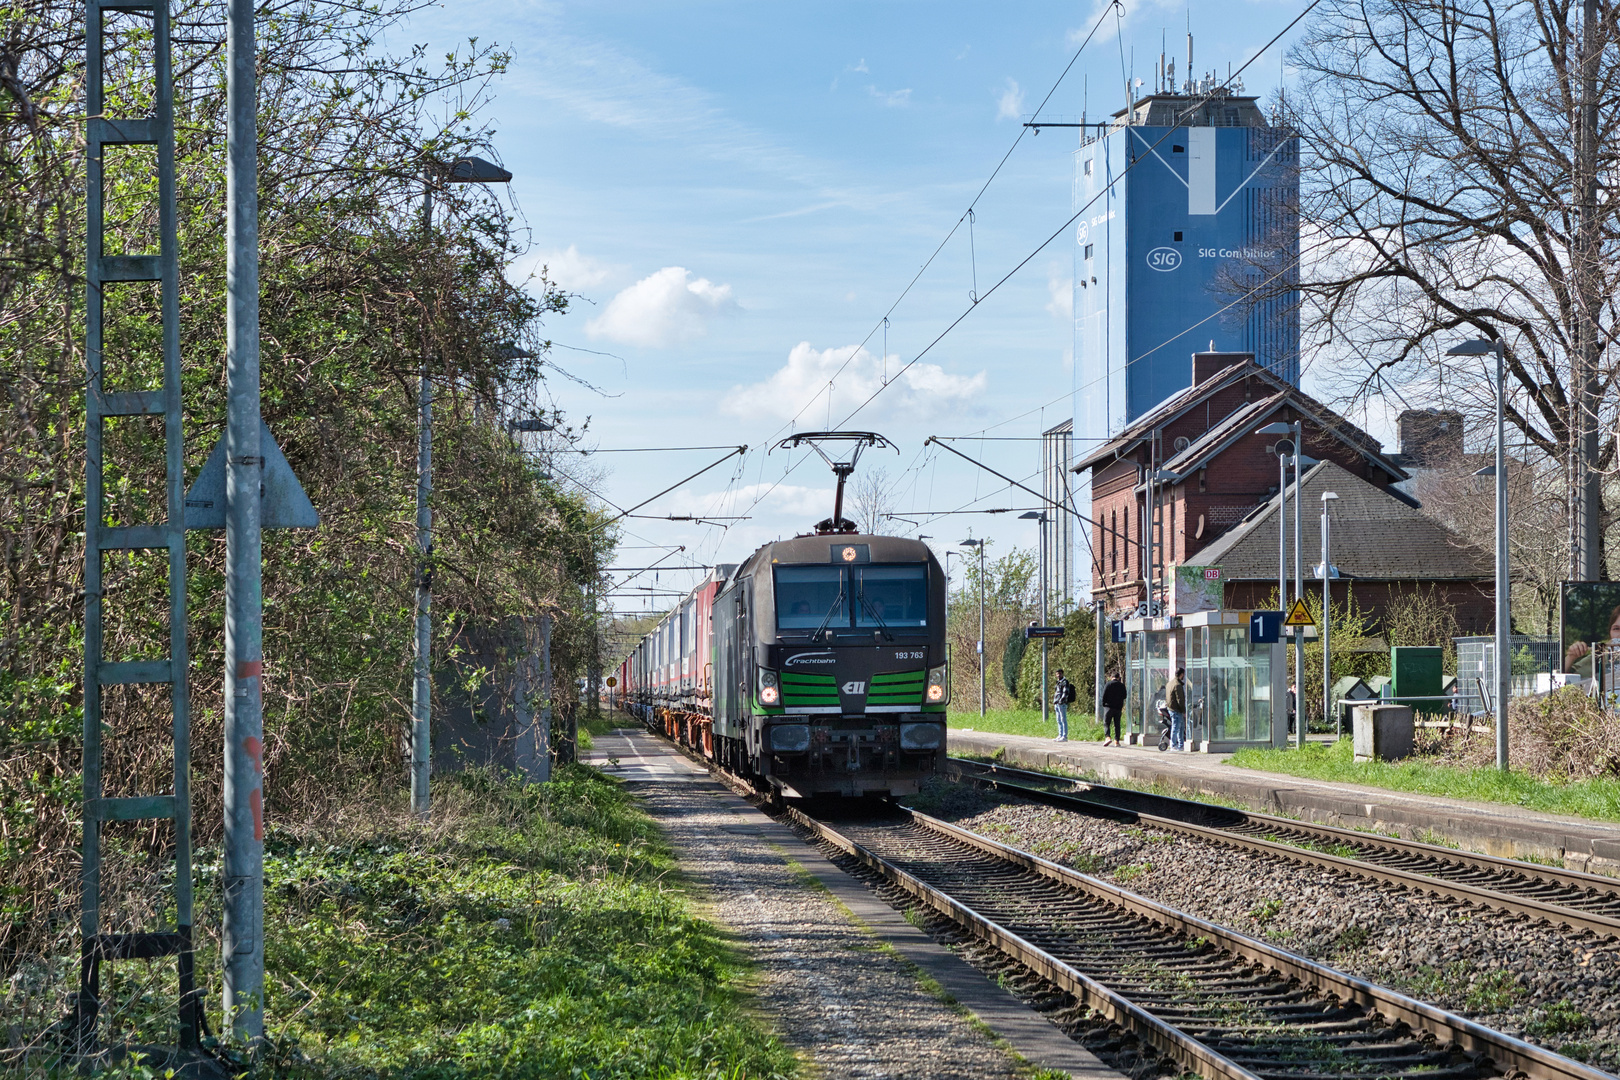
(1236, 691)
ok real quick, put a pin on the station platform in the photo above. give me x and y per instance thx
(1489, 828)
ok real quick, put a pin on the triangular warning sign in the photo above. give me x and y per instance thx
(1299, 615)
(284, 504)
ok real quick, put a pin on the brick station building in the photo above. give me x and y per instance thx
(1218, 505)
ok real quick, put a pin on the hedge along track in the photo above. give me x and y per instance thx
(1563, 897)
(1216, 1002)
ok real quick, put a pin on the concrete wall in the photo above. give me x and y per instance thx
(501, 724)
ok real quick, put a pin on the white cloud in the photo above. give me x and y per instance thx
(573, 270)
(662, 309)
(894, 99)
(1061, 290)
(861, 67)
(1010, 106)
(923, 390)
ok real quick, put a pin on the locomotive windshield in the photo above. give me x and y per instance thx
(812, 598)
(890, 596)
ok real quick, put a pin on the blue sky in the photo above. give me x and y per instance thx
(739, 191)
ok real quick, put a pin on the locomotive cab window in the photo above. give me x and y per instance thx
(890, 596)
(810, 597)
(866, 597)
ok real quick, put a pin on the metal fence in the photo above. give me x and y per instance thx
(1476, 666)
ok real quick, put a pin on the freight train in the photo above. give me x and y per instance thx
(818, 666)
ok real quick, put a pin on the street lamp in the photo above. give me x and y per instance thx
(972, 543)
(1283, 449)
(1327, 595)
(463, 170)
(1286, 449)
(1040, 517)
(1484, 347)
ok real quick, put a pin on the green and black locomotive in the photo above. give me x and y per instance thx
(816, 667)
(830, 668)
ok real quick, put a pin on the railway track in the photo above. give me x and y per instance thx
(1570, 898)
(1217, 1003)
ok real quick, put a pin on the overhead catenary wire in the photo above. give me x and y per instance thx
(672, 487)
(633, 449)
(1064, 228)
(792, 466)
(1072, 391)
(966, 216)
(1222, 88)
(1043, 498)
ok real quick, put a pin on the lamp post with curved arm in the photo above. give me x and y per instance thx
(463, 170)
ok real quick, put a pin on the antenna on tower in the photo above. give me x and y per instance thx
(1189, 42)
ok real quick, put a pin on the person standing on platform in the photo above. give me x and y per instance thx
(1175, 699)
(1113, 707)
(1062, 694)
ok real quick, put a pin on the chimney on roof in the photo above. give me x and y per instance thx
(1431, 436)
(1206, 365)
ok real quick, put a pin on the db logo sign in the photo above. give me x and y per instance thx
(1164, 258)
(855, 688)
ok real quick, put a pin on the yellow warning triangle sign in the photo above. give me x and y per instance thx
(1299, 615)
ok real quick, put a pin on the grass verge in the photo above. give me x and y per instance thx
(1082, 726)
(538, 935)
(1596, 798)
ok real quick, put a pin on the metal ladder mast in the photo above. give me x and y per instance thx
(103, 402)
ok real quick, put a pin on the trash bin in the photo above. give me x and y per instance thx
(1383, 732)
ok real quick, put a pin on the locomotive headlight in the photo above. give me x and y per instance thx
(769, 692)
(936, 693)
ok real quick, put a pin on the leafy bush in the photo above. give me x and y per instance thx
(1075, 652)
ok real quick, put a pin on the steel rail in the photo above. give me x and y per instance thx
(1186, 1051)
(1526, 907)
(1508, 1053)
(1577, 879)
(1504, 1049)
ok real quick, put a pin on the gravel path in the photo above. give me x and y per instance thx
(832, 993)
(1546, 984)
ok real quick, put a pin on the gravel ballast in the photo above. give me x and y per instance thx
(853, 1008)
(1548, 985)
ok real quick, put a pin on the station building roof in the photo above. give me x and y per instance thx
(1376, 535)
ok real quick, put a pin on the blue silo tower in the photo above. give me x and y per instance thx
(1189, 241)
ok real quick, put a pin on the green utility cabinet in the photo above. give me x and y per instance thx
(1415, 673)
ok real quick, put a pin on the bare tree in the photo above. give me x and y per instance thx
(871, 499)
(1450, 173)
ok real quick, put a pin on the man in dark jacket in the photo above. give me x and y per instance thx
(1062, 694)
(1113, 707)
(1175, 699)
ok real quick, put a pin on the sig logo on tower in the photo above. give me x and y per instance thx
(1164, 258)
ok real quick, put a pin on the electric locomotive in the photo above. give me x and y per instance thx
(830, 667)
(818, 666)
